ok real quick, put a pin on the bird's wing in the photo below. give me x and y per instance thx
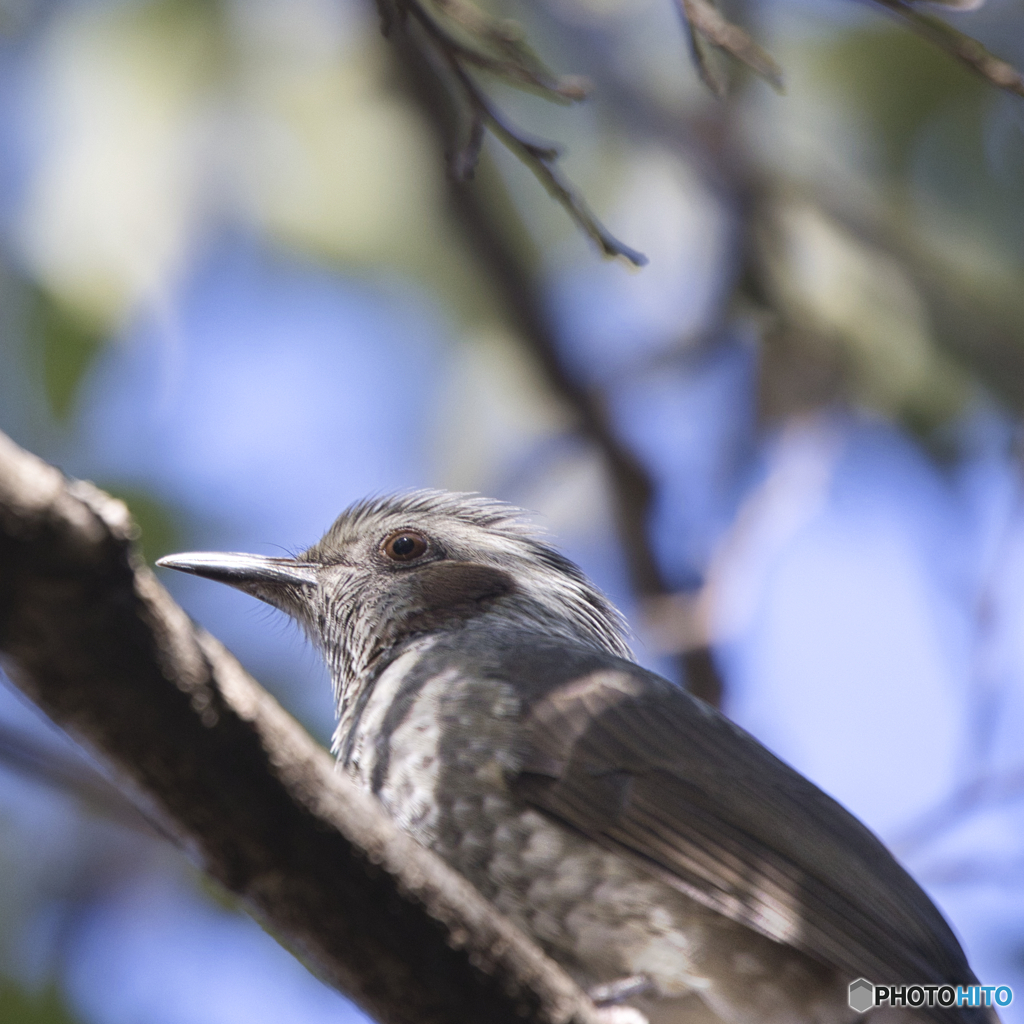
(648, 771)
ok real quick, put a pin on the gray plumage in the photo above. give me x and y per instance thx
(487, 696)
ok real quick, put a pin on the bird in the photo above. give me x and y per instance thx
(488, 698)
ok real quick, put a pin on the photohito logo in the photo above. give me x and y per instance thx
(865, 996)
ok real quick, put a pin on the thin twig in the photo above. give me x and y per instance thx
(705, 21)
(567, 90)
(958, 45)
(506, 267)
(715, 82)
(463, 163)
(540, 157)
(519, 63)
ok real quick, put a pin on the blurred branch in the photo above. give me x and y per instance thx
(43, 762)
(705, 23)
(987, 682)
(497, 47)
(505, 267)
(441, 48)
(90, 635)
(991, 790)
(982, 331)
(958, 45)
(517, 63)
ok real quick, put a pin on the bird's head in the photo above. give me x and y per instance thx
(397, 567)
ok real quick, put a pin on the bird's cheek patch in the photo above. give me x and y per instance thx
(452, 586)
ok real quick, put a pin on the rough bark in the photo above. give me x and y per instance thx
(90, 635)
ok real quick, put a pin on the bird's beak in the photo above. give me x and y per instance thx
(251, 573)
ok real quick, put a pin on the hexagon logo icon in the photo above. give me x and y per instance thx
(862, 995)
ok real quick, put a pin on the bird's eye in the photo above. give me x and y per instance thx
(404, 546)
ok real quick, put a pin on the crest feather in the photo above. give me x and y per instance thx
(558, 583)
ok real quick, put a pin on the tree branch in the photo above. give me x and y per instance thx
(90, 635)
(70, 772)
(519, 295)
(958, 45)
(705, 23)
(435, 45)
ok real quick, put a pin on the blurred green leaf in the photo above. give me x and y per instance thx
(157, 521)
(20, 1007)
(68, 342)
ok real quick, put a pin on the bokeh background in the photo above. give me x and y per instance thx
(238, 290)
